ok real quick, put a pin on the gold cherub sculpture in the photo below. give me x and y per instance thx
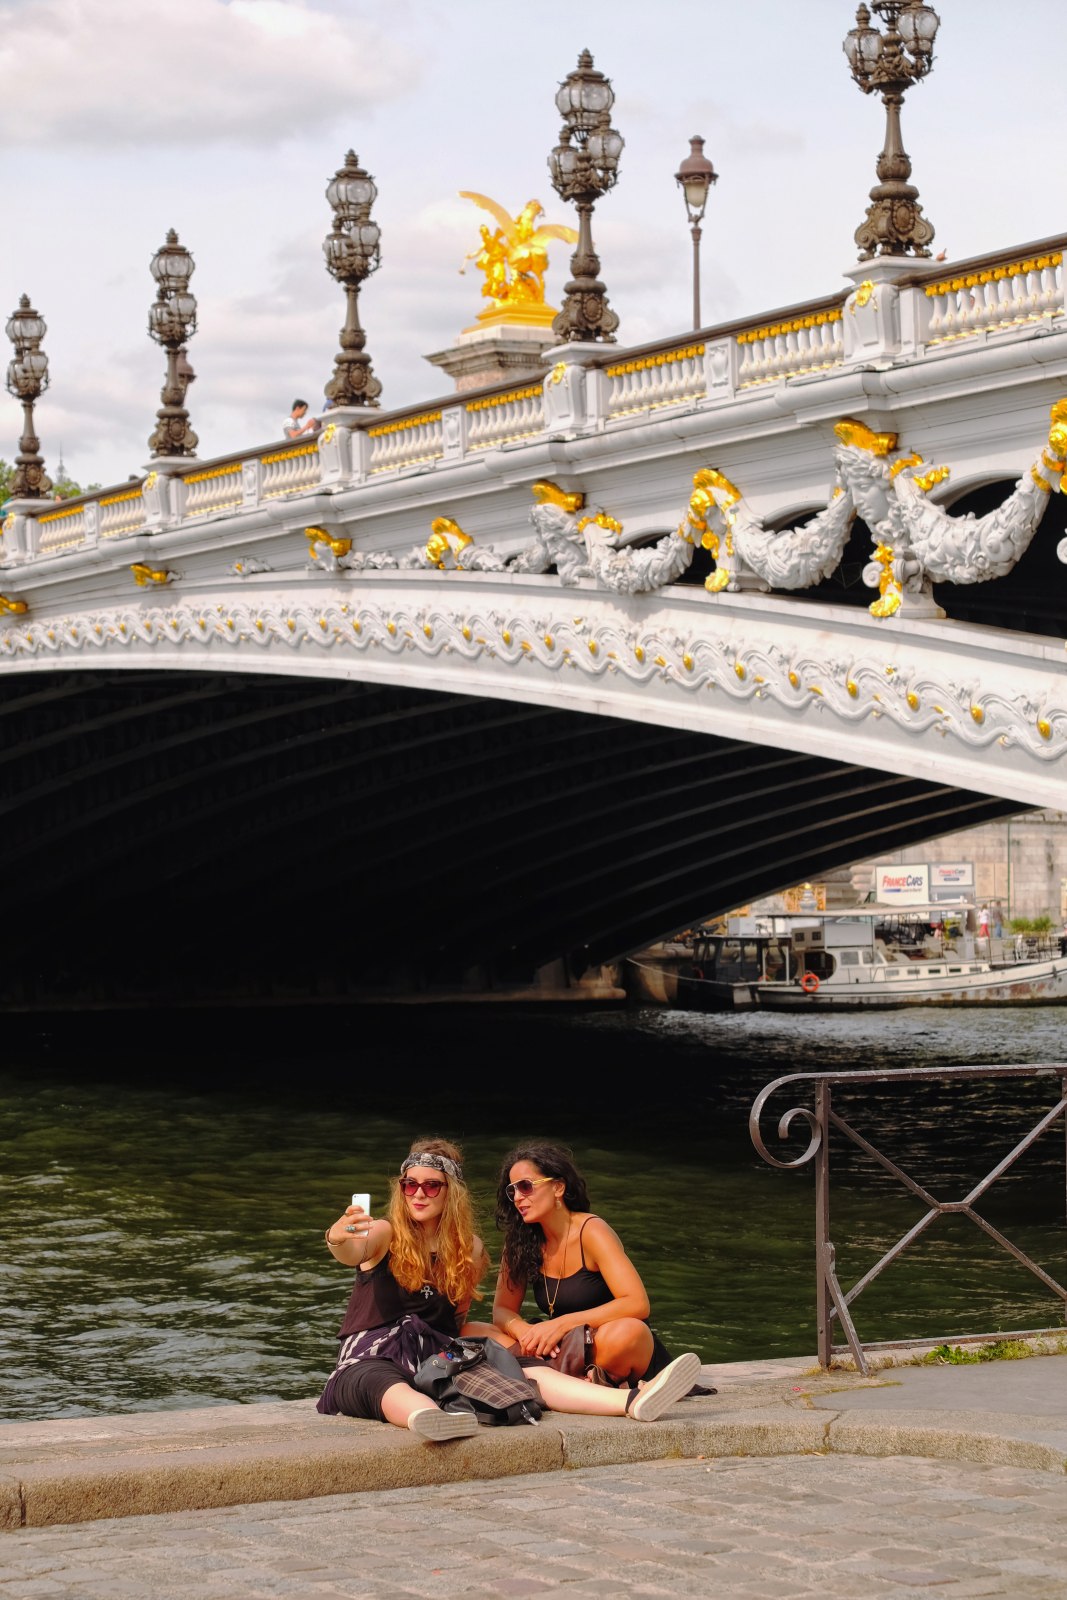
(514, 260)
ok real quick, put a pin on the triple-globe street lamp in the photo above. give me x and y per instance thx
(353, 252)
(27, 379)
(695, 176)
(891, 62)
(584, 166)
(171, 323)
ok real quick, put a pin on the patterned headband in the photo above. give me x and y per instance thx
(438, 1163)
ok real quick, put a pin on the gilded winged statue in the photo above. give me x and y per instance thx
(514, 258)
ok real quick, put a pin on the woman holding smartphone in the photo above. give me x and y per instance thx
(416, 1274)
(578, 1270)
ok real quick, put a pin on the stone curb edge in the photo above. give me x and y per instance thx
(89, 1488)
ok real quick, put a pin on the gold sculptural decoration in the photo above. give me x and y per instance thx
(447, 539)
(317, 536)
(12, 607)
(514, 260)
(143, 574)
(545, 492)
(853, 432)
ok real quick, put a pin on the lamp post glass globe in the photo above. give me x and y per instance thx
(695, 177)
(353, 251)
(890, 63)
(27, 379)
(171, 321)
(584, 165)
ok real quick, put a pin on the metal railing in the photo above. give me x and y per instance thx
(832, 1302)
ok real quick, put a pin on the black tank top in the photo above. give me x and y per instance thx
(579, 1291)
(378, 1300)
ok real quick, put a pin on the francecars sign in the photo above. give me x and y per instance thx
(920, 883)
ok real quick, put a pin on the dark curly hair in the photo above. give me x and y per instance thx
(524, 1242)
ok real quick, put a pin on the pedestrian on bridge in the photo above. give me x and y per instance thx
(297, 423)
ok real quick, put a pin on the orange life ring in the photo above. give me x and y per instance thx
(698, 974)
(809, 983)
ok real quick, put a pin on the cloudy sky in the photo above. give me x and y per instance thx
(225, 119)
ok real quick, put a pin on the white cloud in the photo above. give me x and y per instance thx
(122, 73)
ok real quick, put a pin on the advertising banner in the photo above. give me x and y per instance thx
(901, 885)
(952, 880)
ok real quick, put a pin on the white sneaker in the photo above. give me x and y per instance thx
(433, 1424)
(654, 1397)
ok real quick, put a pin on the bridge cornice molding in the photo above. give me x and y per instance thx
(968, 707)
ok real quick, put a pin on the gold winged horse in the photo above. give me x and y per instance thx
(514, 259)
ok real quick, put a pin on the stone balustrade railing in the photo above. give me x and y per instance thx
(991, 298)
(888, 318)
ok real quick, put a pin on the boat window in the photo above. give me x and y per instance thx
(821, 962)
(850, 958)
(894, 972)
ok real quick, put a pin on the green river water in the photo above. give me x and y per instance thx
(164, 1184)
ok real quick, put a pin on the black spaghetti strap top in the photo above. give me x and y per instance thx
(579, 1291)
(378, 1300)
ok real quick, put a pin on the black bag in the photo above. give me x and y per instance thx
(479, 1375)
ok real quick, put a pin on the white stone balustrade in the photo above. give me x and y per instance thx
(122, 513)
(215, 489)
(647, 383)
(811, 342)
(503, 418)
(993, 299)
(66, 528)
(1004, 296)
(407, 443)
(285, 471)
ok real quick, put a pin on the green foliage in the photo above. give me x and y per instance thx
(1042, 924)
(946, 1355)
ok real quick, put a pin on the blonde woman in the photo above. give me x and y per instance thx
(416, 1274)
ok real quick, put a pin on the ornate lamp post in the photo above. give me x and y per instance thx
(696, 176)
(353, 252)
(892, 62)
(171, 322)
(27, 379)
(585, 165)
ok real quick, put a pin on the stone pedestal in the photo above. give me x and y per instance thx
(496, 352)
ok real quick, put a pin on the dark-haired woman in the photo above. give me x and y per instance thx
(575, 1265)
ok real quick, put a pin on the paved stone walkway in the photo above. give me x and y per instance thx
(735, 1528)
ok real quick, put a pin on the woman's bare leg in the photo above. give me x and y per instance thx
(563, 1393)
(623, 1348)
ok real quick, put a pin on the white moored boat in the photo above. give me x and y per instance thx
(853, 961)
(872, 956)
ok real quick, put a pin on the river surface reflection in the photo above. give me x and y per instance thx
(163, 1205)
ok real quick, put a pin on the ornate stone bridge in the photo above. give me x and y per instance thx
(548, 670)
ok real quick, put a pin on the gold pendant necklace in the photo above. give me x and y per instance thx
(552, 1298)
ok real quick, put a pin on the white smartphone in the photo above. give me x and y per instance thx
(363, 1201)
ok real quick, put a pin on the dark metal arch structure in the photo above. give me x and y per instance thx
(190, 835)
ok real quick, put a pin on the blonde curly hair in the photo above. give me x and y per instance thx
(450, 1267)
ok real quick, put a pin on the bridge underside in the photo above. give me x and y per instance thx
(196, 835)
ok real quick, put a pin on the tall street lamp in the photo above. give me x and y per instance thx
(585, 165)
(171, 322)
(27, 379)
(353, 252)
(696, 176)
(891, 62)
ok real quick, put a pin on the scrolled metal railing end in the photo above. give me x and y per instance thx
(785, 1124)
